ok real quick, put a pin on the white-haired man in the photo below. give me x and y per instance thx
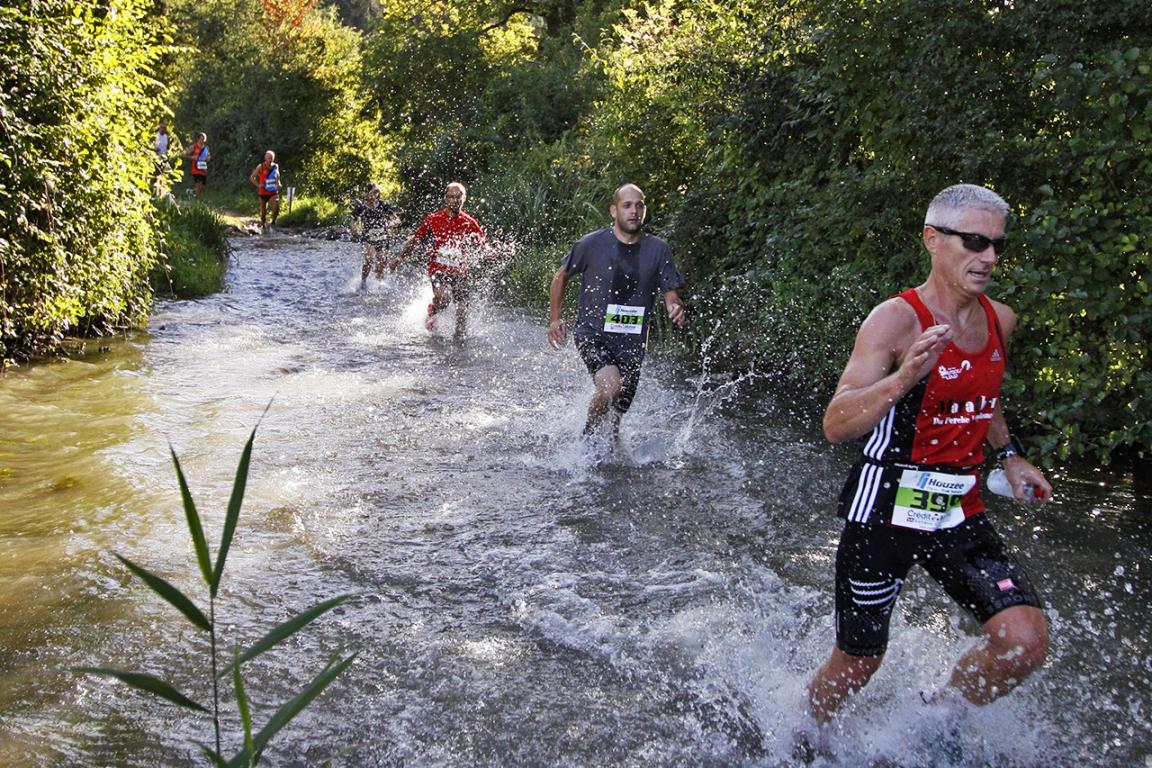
(923, 384)
(455, 242)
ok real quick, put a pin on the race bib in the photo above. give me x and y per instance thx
(201, 165)
(930, 501)
(621, 318)
(450, 257)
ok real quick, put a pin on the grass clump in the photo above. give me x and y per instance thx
(312, 211)
(195, 252)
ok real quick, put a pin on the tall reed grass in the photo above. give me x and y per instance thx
(195, 252)
(253, 743)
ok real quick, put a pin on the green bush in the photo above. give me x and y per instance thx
(77, 110)
(195, 252)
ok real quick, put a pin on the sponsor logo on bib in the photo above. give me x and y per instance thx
(950, 374)
(621, 318)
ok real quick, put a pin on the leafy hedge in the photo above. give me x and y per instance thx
(77, 105)
(790, 150)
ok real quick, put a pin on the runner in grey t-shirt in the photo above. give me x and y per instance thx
(622, 269)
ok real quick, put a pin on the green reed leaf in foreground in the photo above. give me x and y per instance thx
(234, 503)
(169, 593)
(147, 683)
(242, 706)
(194, 526)
(288, 628)
(253, 744)
(290, 709)
(213, 755)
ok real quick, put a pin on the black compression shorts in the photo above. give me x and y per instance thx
(627, 355)
(459, 284)
(970, 561)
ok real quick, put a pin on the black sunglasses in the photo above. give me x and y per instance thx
(973, 241)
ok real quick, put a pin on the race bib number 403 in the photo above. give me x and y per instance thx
(930, 501)
(621, 318)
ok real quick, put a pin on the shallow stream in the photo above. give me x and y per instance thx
(519, 600)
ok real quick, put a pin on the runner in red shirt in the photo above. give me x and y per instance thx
(452, 238)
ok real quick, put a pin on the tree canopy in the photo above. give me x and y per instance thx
(788, 149)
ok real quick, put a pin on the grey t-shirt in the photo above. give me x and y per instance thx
(620, 283)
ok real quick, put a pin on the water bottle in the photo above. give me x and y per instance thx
(998, 483)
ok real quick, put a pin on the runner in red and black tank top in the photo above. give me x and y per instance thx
(923, 391)
(940, 423)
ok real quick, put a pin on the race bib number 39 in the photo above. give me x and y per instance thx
(930, 501)
(621, 318)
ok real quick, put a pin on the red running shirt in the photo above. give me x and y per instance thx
(943, 420)
(454, 240)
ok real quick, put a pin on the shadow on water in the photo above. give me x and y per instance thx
(524, 601)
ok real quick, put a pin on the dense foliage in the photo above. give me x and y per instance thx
(76, 104)
(788, 149)
(275, 75)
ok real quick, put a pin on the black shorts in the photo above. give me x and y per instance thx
(970, 561)
(457, 283)
(627, 355)
(198, 178)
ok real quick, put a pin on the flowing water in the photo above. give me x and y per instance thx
(518, 600)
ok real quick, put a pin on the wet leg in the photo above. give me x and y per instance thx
(1015, 644)
(838, 678)
(461, 319)
(381, 260)
(608, 382)
(441, 298)
(368, 251)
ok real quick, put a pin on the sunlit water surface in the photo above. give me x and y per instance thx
(520, 601)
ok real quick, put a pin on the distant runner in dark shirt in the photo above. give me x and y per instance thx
(377, 221)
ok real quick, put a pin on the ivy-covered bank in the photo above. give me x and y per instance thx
(77, 240)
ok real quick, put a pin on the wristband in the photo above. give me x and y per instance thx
(1010, 449)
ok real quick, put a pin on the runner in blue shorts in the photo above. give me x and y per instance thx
(622, 271)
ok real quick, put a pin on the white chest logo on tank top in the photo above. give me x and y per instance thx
(950, 374)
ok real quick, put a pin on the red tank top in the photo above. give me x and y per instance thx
(943, 420)
(455, 241)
